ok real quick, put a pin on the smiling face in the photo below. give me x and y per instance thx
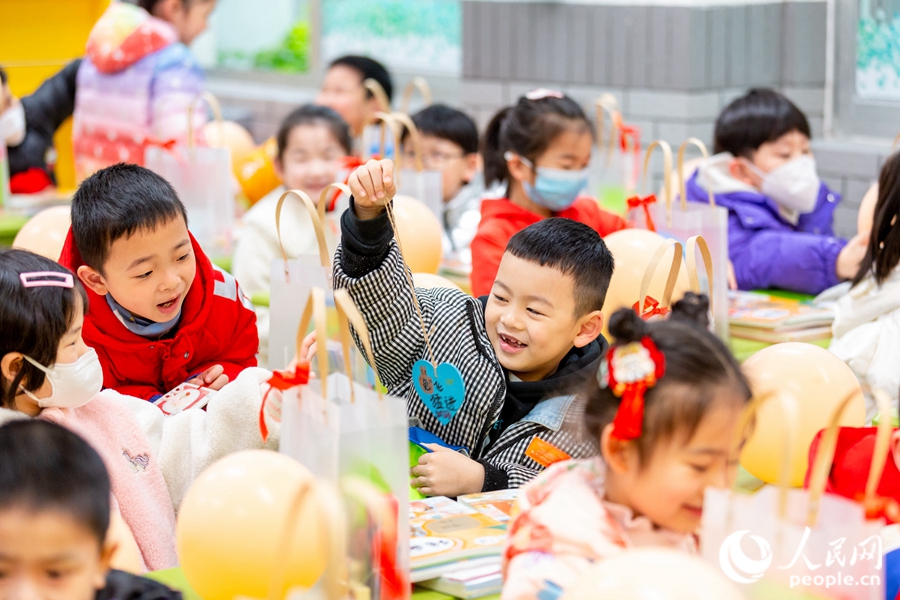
(343, 91)
(668, 487)
(48, 555)
(148, 273)
(530, 318)
(311, 159)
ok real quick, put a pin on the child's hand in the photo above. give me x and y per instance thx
(372, 185)
(308, 349)
(213, 378)
(848, 261)
(443, 472)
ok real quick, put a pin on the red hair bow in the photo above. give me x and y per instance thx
(632, 369)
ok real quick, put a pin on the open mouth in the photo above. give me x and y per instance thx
(169, 304)
(510, 344)
(695, 510)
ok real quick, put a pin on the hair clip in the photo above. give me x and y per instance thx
(541, 93)
(629, 370)
(47, 279)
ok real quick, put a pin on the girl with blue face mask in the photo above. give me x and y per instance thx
(539, 149)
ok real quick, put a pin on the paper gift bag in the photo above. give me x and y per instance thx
(686, 220)
(202, 179)
(425, 185)
(350, 434)
(792, 539)
(615, 165)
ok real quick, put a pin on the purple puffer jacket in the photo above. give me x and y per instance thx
(769, 252)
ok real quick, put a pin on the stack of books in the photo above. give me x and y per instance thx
(765, 318)
(456, 546)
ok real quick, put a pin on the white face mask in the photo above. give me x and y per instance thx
(12, 125)
(794, 185)
(73, 384)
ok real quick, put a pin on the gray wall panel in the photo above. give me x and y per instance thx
(680, 56)
(523, 40)
(601, 45)
(638, 22)
(738, 74)
(619, 55)
(580, 43)
(659, 41)
(697, 49)
(560, 44)
(718, 26)
(470, 48)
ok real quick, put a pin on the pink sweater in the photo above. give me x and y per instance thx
(138, 485)
(564, 525)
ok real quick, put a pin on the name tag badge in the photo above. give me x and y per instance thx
(544, 453)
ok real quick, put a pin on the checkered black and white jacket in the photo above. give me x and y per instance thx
(458, 337)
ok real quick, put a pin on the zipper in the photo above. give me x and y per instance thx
(501, 392)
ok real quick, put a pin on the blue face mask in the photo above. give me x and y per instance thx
(554, 189)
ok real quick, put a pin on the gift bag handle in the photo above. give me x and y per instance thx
(213, 103)
(380, 95)
(322, 206)
(667, 173)
(315, 311)
(682, 184)
(324, 257)
(650, 271)
(414, 138)
(348, 314)
(698, 242)
(895, 143)
(821, 467)
(417, 83)
(607, 104)
(394, 125)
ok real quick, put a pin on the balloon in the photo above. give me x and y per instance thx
(632, 250)
(230, 521)
(256, 171)
(420, 235)
(816, 381)
(231, 135)
(429, 281)
(653, 574)
(45, 233)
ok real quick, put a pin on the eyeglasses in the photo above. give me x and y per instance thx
(431, 160)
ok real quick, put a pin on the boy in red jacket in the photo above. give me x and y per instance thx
(160, 313)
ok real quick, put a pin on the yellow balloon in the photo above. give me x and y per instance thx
(420, 234)
(653, 574)
(430, 281)
(632, 250)
(816, 381)
(230, 522)
(231, 135)
(255, 171)
(45, 233)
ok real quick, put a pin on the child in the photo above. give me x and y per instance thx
(55, 520)
(664, 447)
(779, 213)
(312, 142)
(160, 312)
(12, 114)
(449, 141)
(48, 372)
(524, 354)
(136, 81)
(343, 90)
(540, 148)
(867, 321)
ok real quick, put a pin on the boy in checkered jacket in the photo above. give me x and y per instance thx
(528, 353)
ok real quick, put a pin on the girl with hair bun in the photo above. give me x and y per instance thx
(669, 402)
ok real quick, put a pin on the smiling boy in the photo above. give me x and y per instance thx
(526, 352)
(160, 313)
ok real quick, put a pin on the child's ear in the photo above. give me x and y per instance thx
(107, 551)
(590, 328)
(619, 455)
(740, 171)
(92, 280)
(10, 365)
(471, 163)
(279, 168)
(517, 169)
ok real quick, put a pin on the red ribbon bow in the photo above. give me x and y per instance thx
(644, 203)
(282, 381)
(629, 420)
(651, 309)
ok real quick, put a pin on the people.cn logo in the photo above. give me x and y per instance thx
(737, 565)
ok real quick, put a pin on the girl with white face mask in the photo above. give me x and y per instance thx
(47, 372)
(780, 232)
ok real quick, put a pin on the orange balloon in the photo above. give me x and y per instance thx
(632, 250)
(230, 522)
(45, 233)
(429, 281)
(231, 135)
(255, 171)
(420, 234)
(816, 382)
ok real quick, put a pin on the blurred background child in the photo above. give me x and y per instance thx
(312, 142)
(344, 90)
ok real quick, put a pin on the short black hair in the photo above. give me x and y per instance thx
(310, 114)
(33, 320)
(368, 68)
(116, 202)
(762, 115)
(573, 248)
(3, 77)
(46, 467)
(446, 123)
(149, 5)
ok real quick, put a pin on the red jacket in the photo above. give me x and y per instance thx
(501, 219)
(218, 327)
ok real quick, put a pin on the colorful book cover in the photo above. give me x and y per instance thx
(497, 505)
(752, 309)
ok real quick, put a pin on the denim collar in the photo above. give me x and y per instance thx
(550, 412)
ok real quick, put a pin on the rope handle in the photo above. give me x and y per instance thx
(695, 243)
(315, 311)
(349, 315)
(414, 137)
(213, 103)
(667, 173)
(607, 104)
(417, 83)
(317, 221)
(682, 184)
(650, 271)
(381, 96)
